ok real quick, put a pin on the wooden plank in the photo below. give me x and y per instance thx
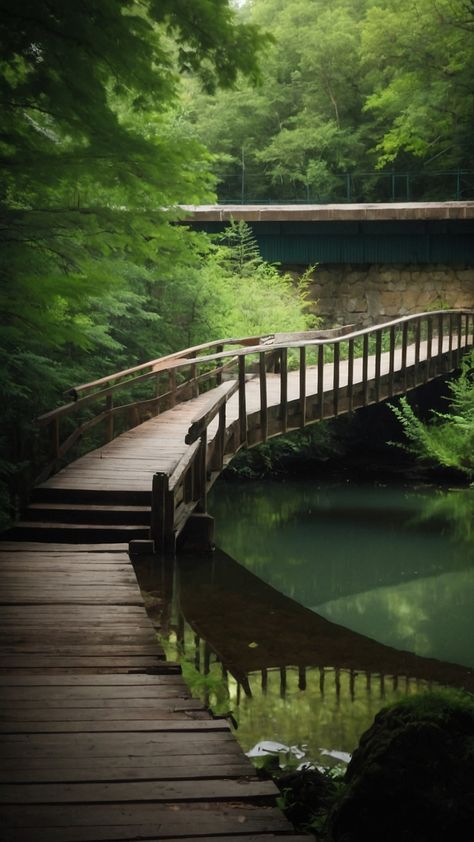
(143, 791)
(118, 726)
(94, 822)
(83, 681)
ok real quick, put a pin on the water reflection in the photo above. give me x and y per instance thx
(389, 595)
(386, 562)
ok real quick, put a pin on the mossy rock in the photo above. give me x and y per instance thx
(412, 777)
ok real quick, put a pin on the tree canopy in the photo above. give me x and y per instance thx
(365, 86)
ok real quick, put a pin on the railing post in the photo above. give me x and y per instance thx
(219, 349)
(404, 355)
(391, 366)
(335, 381)
(172, 387)
(162, 515)
(263, 397)
(242, 402)
(429, 348)
(450, 352)
(218, 455)
(417, 351)
(321, 382)
(440, 343)
(378, 362)
(350, 375)
(284, 388)
(302, 386)
(365, 368)
(200, 489)
(193, 371)
(458, 350)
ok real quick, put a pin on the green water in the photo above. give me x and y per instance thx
(381, 571)
(393, 563)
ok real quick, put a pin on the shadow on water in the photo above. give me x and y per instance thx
(287, 672)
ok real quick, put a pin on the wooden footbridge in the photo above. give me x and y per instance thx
(100, 739)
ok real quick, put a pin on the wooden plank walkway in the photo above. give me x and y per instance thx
(99, 737)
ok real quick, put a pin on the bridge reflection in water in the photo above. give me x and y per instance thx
(285, 672)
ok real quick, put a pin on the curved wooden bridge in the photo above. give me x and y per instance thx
(100, 739)
(171, 424)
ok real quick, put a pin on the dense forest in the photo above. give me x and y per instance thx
(113, 114)
(351, 91)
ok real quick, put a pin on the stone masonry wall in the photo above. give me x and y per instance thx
(367, 294)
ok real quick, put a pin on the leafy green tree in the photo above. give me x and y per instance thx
(93, 169)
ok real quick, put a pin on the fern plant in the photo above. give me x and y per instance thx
(448, 438)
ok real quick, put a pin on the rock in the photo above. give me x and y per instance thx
(412, 776)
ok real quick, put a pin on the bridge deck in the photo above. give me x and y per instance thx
(99, 737)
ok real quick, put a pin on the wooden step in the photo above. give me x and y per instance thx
(87, 533)
(92, 513)
(50, 494)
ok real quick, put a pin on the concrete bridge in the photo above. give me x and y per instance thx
(373, 259)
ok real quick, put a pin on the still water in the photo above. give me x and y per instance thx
(323, 603)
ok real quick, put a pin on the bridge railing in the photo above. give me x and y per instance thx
(336, 374)
(124, 399)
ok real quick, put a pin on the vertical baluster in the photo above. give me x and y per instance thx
(417, 351)
(429, 348)
(450, 351)
(109, 405)
(242, 401)
(365, 368)
(336, 376)
(302, 386)
(200, 491)
(350, 375)
(439, 366)
(264, 675)
(378, 363)
(219, 349)
(391, 365)
(458, 349)
(193, 375)
(282, 682)
(404, 355)
(263, 397)
(158, 512)
(284, 388)
(321, 382)
(301, 678)
(219, 443)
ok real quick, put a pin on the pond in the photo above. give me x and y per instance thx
(345, 597)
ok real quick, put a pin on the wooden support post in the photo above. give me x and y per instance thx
(263, 397)
(242, 402)
(391, 365)
(458, 349)
(109, 430)
(429, 348)
(365, 368)
(193, 373)
(378, 363)
(450, 352)
(200, 490)
(350, 375)
(264, 675)
(219, 349)
(336, 375)
(282, 682)
(158, 506)
(284, 388)
(321, 382)
(302, 678)
(417, 351)
(302, 386)
(404, 355)
(218, 455)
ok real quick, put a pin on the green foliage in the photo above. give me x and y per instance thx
(94, 164)
(347, 86)
(438, 706)
(448, 440)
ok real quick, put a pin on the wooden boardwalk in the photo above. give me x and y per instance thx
(100, 739)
